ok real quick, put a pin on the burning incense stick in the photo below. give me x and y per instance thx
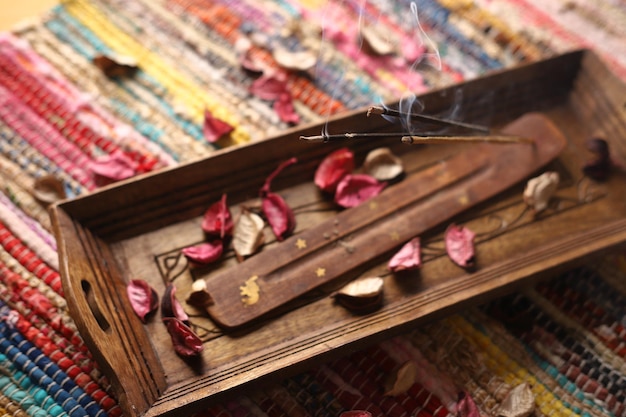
(503, 139)
(425, 118)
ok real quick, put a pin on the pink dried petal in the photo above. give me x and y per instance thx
(407, 258)
(353, 189)
(466, 407)
(285, 109)
(217, 219)
(114, 167)
(204, 253)
(214, 128)
(269, 87)
(143, 298)
(460, 245)
(278, 214)
(186, 342)
(171, 307)
(333, 168)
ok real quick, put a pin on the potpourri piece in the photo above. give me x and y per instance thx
(540, 190)
(460, 245)
(333, 168)
(276, 210)
(143, 298)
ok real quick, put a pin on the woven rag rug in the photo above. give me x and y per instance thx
(61, 117)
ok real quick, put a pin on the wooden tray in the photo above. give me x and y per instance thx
(137, 228)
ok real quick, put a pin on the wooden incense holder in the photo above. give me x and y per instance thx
(421, 201)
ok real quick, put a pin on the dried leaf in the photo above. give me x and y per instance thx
(248, 233)
(186, 342)
(519, 402)
(199, 295)
(275, 209)
(460, 245)
(353, 189)
(403, 379)
(214, 128)
(116, 65)
(407, 258)
(539, 190)
(599, 168)
(333, 168)
(143, 298)
(285, 109)
(49, 189)
(217, 219)
(466, 407)
(113, 167)
(171, 307)
(297, 61)
(204, 253)
(356, 413)
(383, 165)
(361, 295)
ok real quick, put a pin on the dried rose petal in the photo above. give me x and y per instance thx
(383, 165)
(333, 168)
(599, 168)
(407, 258)
(297, 61)
(539, 190)
(113, 167)
(375, 42)
(403, 379)
(356, 413)
(186, 342)
(116, 65)
(278, 214)
(460, 245)
(204, 253)
(248, 233)
(217, 219)
(361, 295)
(143, 298)
(466, 407)
(353, 189)
(269, 87)
(171, 307)
(214, 128)
(285, 109)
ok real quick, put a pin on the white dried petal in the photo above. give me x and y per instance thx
(539, 190)
(298, 61)
(248, 233)
(363, 288)
(376, 41)
(403, 379)
(519, 402)
(383, 164)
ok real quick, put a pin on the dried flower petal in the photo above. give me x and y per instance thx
(356, 413)
(383, 165)
(407, 258)
(171, 307)
(599, 168)
(519, 402)
(466, 407)
(285, 109)
(49, 189)
(403, 379)
(460, 245)
(248, 233)
(186, 342)
(114, 167)
(361, 295)
(269, 87)
(297, 61)
(278, 214)
(353, 189)
(539, 190)
(217, 219)
(199, 295)
(214, 128)
(333, 168)
(116, 65)
(204, 253)
(375, 42)
(143, 298)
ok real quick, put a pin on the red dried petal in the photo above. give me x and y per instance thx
(407, 258)
(466, 407)
(171, 307)
(269, 87)
(356, 413)
(204, 253)
(460, 245)
(143, 298)
(186, 342)
(333, 168)
(278, 214)
(218, 220)
(214, 128)
(113, 167)
(285, 109)
(353, 189)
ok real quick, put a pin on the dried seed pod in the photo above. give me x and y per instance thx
(214, 128)
(519, 402)
(403, 379)
(248, 233)
(171, 307)
(204, 253)
(116, 65)
(333, 168)
(460, 245)
(217, 219)
(49, 189)
(295, 61)
(354, 189)
(199, 295)
(143, 298)
(383, 164)
(539, 190)
(361, 295)
(186, 342)
(599, 168)
(407, 258)
(278, 214)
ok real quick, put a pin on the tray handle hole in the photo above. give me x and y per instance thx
(93, 305)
